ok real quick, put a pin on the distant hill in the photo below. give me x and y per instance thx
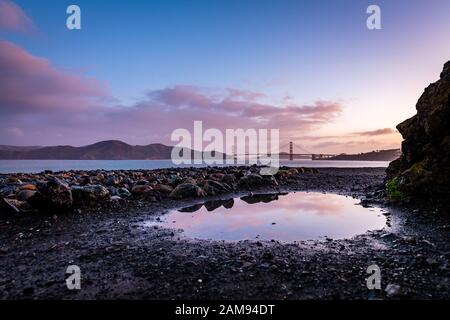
(104, 150)
(379, 155)
(16, 148)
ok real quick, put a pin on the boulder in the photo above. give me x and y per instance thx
(112, 181)
(9, 206)
(187, 190)
(31, 187)
(213, 187)
(123, 193)
(52, 195)
(141, 189)
(90, 194)
(251, 180)
(423, 169)
(13, 180)
(24, 195)
(229, 179)
(163, 188)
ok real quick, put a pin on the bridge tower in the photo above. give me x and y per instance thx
(291, 150)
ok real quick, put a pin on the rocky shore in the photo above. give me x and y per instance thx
(59, 192)
(96, 220)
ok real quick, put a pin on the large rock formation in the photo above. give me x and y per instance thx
(423, 170)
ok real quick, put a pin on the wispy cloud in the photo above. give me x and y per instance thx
(378, 132)
(31, 84)
(41, 100)
(13, 18)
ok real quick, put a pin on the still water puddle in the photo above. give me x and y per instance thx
(284, 217)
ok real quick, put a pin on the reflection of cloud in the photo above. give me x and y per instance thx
(289, 207)
(294, 216)
(13, 18)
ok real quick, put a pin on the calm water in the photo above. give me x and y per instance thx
(290, 217)
(12, 166)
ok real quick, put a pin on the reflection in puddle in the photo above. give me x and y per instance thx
(285, 217)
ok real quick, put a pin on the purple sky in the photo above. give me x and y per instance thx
(311, 69)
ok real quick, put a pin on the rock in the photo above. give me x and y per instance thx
(392, 290)
(175, 180)
(270, 180)
(123, 193)
(52, 195)
(163, 188)
(213, 187)
(90, 194)
(187, 190)
(142, 182)
(229, 179)
(190, 180)
(8, 206)
(7, 191)
(140, 190)
(30, 187)
(216, 176)
(251, 180)
(86, 180)
(24, 195)
(117, 201)
(13, 180)
(112, 181)
(423, 169)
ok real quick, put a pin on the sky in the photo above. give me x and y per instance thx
(137, 70)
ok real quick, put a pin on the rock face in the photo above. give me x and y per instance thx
(423, 169)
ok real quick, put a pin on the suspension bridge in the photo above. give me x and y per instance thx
(289, 153)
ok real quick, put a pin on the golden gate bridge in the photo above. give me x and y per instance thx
(291, 155)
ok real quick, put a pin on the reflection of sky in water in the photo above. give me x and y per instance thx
(295, 216)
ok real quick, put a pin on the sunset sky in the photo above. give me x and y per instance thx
(137, 70)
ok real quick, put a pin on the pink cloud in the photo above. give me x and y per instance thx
(38, 101)
(241, 107)
(378, 132)
(32, 84)
(13, 18)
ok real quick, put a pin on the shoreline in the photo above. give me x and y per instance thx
(121, 259)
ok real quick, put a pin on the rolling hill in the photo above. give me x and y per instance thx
(104, 150)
